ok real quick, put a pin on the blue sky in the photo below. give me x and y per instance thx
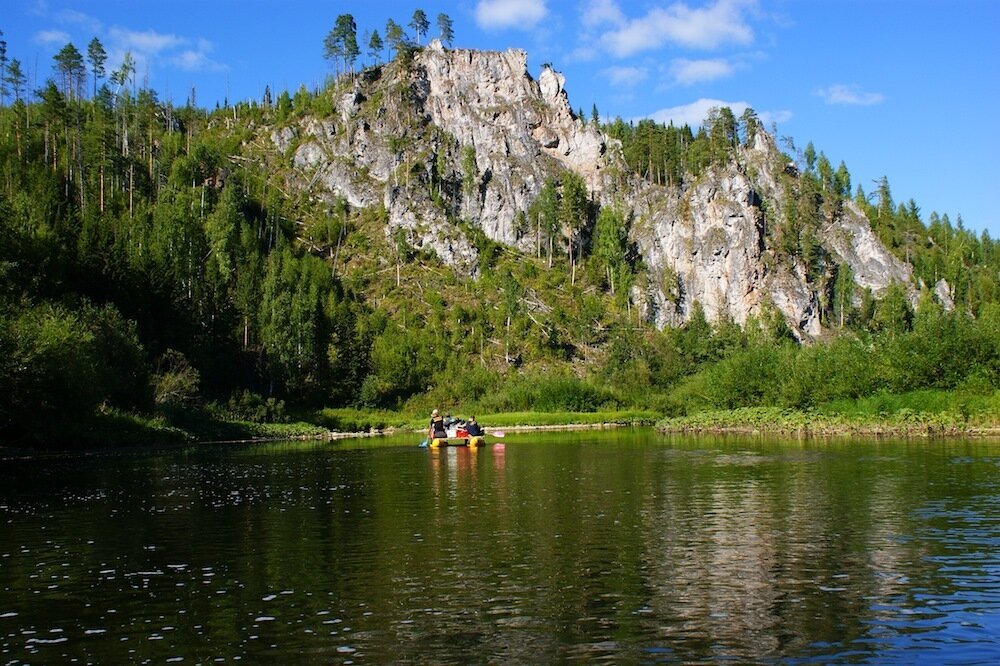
(906, 89)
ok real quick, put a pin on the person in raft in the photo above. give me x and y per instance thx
(473, 428)
(437, 429)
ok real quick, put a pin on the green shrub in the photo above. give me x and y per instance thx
(58, 365)
(252, 407)
(550, 393)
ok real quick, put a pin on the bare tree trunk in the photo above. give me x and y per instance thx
(103, 157)
(131, 187)
(538, 235)
(506, 342)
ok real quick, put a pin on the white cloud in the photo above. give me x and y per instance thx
(849, 95)
(601, 12)
(703, 28)
(84, 21)
(694, 114)
(627, 77)
(149, 42)
(583, 54)
(153, 50)
(198, 60)
(497, 14)
(688, 72)
(56, 37)
(776, 117)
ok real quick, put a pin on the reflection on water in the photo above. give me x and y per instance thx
(622, 546)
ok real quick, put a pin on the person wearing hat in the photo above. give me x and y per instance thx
(473, 428)
(437, 429)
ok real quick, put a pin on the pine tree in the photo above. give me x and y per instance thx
(97, 56)
(394, 36)
(609, 243)
(375, 47)
(573, 215)
(419, 24)
(545, 210)
(15, 78)
(69, 65)
(4, 91)
(341, 43)
(446, 30)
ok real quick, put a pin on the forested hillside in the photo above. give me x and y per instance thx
(155, 261)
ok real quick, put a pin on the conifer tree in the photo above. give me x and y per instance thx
(394, 36)
(97, 56)
(419, 24)
(69, 65)
(14, 77)
(3, 70)
(609, 243)
(446, 30)
(375, 47)
(341, 43)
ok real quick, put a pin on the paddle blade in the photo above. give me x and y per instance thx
(497, 433)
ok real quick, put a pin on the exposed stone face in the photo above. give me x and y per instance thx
(489, 101)
(712, 250)
(852, 239)
(942, 292)
(711, 236)
(704, 241)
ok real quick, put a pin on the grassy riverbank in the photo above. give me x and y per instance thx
(915, 414)
(358, 420)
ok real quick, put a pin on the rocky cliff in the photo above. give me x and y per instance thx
(472, 135)
(707, 243)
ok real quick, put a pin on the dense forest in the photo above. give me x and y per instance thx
(152, 263)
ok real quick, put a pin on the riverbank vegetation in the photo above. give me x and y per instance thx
(157, 281)
(917, 414)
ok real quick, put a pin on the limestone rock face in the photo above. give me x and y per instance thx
(520, 129)
(852, 239)
(397, 126)
(707, 242)
(703, 246)
(471, 135)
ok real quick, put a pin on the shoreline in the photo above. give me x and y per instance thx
(716, 423)
(847, 432)
(860, 431)
(797, 424)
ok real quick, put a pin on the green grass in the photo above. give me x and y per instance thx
(360, 420)
(915, 413)
(511, 419)
(347, 419)
(976, 408)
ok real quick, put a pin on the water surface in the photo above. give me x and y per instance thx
(618, 546)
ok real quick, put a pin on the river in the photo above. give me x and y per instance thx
(620, 546)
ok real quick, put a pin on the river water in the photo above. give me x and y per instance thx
(621, 546)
